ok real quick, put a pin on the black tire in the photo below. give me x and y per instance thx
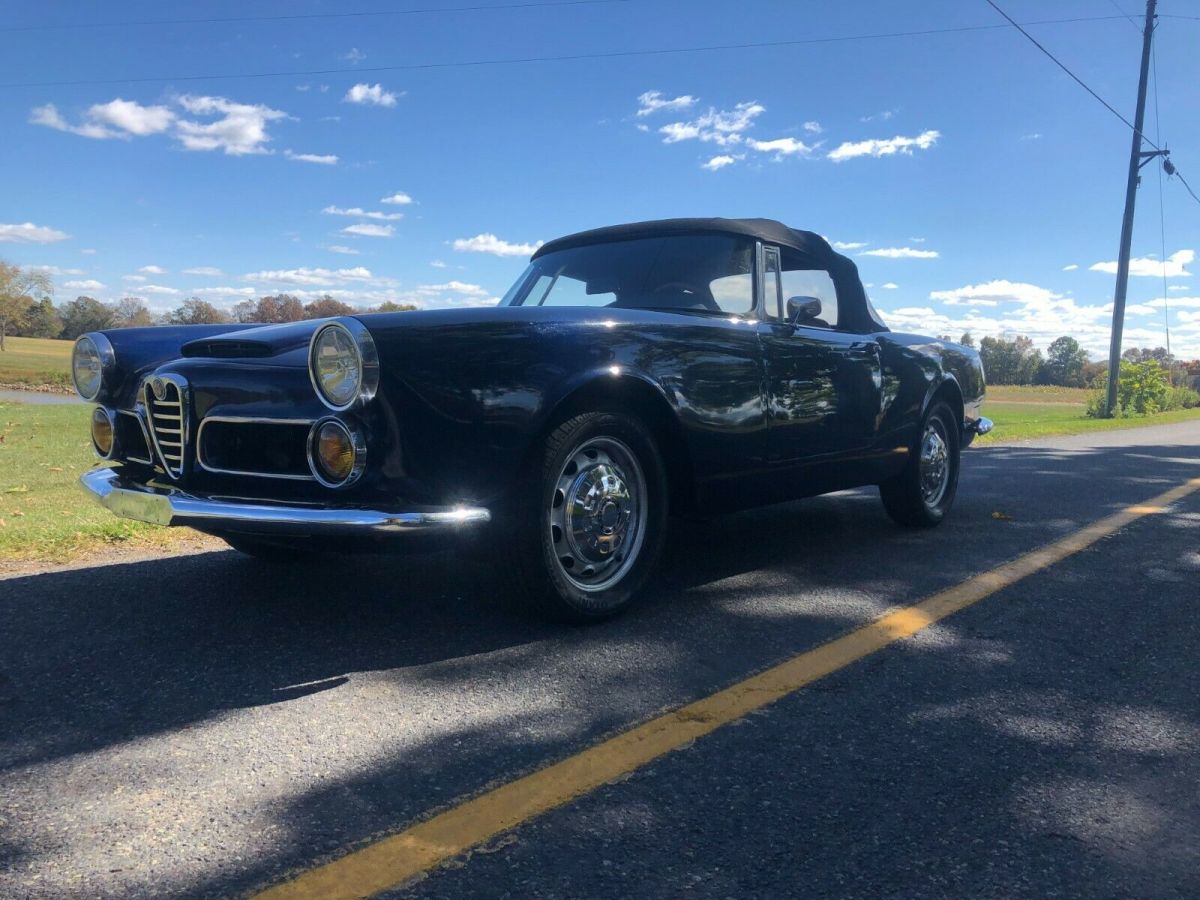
(909, 497)
(543, 546)
(268, 550)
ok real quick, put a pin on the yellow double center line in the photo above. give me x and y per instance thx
(398, 858)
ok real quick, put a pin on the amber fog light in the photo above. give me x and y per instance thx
(336, 454)
(102, 431)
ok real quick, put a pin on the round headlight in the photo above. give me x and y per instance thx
(336, 454)
(343, 364)
(91, 358)
(102, 431)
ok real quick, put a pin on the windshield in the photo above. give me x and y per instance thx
(712, 273)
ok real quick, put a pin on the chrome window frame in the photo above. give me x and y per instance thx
(250, 420)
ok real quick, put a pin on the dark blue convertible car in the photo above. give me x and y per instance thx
(632, 372)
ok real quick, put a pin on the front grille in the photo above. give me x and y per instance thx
(269, 448)
(131, 438)
(167, 418)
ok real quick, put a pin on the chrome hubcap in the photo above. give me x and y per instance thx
(597, 514)
(935, 463)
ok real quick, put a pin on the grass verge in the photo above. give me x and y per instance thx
(1021, 419)
(36, 361)
(44, 515)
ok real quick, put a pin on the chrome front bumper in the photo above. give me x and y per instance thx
(171, 506)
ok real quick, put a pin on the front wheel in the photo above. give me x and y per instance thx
(922, 494)
(590, 519)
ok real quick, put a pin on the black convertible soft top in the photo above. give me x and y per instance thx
(766, 230)
(858, 310)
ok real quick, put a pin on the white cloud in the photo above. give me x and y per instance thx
(211, 271)
(118, 118)
(340, 248)
(361, 213)
(88, 251)
(1032, 136)
(240, 130)
(721, 127)
(354, 55)
(135, 279)
(453, 287)
(718, 162)
(891, 286)
(848, 245)
(1178, 287)
(884, 116)
(153, 270)
(781, 147)
(326, 159)
(28, 233)
(1172, 267)
(901, 253)
(489, 243)
(90, 284)
(653, 101)
(1071, 268)
(437, 264)
(157, 289)
(397, 199)
(55, 270)
(366, 229)
(224, 292)
(813, 127)
(317, 277)
(991, 293)
(884, 147)
(369, 95)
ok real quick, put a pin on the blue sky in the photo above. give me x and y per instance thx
(965, 170)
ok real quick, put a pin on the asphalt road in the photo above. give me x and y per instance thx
(208, 725)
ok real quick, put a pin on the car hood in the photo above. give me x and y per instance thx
(254, 342)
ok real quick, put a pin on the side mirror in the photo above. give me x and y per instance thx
(801, 308)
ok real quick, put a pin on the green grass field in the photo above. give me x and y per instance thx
(36, 361)
(43, 513)
(1025, 412)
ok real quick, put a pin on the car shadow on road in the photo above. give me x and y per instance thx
(99, 658)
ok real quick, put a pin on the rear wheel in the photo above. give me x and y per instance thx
(922, 494)
(589, 520)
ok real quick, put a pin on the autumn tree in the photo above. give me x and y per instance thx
(278, 308)
(42, 320)
(195, 311)
(393, 306)
(325, 307)
(131, 312)
(18, 288)
(84, 314)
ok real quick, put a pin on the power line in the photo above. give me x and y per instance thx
(1172, 170)
(1126, 15)
(530, 4)
(1079, 81)
(570, 57)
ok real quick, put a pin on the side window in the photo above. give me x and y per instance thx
(771, 284)
(566, 291)
(733, 293)
(813, 283)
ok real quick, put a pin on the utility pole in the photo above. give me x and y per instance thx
(1136, 160)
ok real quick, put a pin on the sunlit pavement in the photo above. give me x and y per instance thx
(210, 725)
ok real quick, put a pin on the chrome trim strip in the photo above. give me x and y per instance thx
(368, 360)
(252, 420)
(172, 506)
(360, 453)
(145, 437)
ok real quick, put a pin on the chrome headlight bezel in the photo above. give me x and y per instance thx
(112, 428)
(368, 363)
(357, 443)
(106, 360)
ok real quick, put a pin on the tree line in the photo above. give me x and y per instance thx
(1065, 363)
